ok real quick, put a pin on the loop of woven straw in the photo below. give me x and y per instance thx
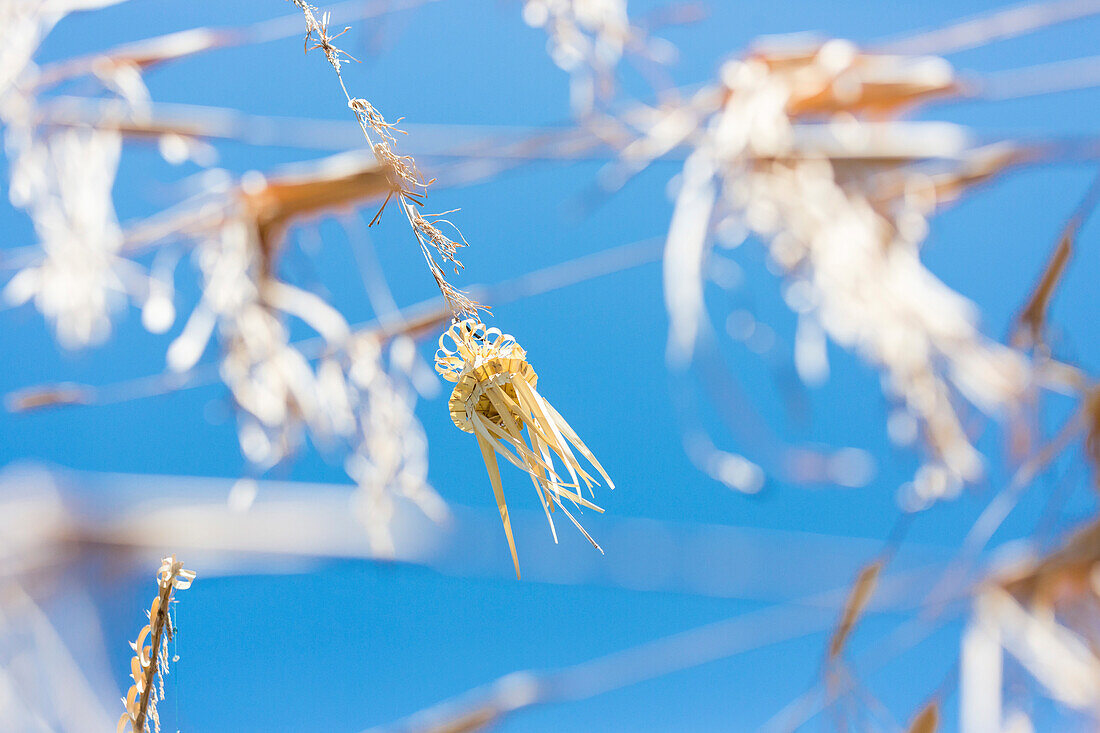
(467, 342)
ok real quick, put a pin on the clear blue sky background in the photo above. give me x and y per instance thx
(355, 644)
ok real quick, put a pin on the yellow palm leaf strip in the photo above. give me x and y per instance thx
(493, 391)
(540, 482)
(498, 490)
(523, 411)
(526, 458)
(552, 437)
(546, 504)
(555, 490)
(534, 469)
(559, 445)
(545, 453)
(578, 525)
(578, 443)
(538, 445)
(497, 397)
(490, 430)
(575, 440)
(559, 489)
(481, 429)
(578, 499)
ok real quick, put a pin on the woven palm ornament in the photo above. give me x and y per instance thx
(495, 399)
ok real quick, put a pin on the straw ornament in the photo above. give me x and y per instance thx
(150, 662)
(495, 399)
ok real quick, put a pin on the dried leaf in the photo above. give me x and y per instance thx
(857, 601)
(54, 395)
(1031, 321)
(1065, 572)
(277, 203)
(927, 720)
(467, 722)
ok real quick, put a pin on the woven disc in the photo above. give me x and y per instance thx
(468, 397)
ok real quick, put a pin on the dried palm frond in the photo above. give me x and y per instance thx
(495, 398)
(1041, 610)
(349, 400)
(843, 209)
(275, 203)
(150, 662)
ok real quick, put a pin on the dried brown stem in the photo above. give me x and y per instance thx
(405, 179)
(162, 625)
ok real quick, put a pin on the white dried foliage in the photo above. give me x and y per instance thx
(42, 687)
(390, 459)
(586, 39)
(1041, 611)
(64, 182)
(1059, 658)
(23, 25)
(272, 383)
(348, 401)
(853, 256)
(63, 179)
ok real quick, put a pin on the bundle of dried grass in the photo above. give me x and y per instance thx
(150, 664)
(843, 208)
(1041, 610)
(495, 399)
(356, 399)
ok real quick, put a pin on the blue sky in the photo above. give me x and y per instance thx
(348, 645)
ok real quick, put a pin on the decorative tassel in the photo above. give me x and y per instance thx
(495, 399)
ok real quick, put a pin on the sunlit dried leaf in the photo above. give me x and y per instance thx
(858, 597)
(1031, 322)
(927, 720)
(56, 395)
